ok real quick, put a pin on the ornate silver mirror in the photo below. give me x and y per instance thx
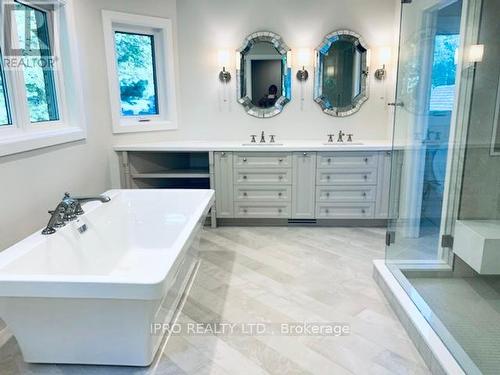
(340, 82)
(263, 74)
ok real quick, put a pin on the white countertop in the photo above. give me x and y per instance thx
(240, 146)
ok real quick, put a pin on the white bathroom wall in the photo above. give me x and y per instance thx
(209, 25)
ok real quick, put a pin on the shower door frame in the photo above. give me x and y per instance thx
(471, 14)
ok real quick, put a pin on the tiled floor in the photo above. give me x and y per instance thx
(277, 275)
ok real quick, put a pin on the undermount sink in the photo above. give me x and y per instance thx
(343, 143)
(263, 144)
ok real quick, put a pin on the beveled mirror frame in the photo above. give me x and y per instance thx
(284, 50)
(321, 50)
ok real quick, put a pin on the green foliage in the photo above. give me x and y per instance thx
(135, 60)
(444, 68)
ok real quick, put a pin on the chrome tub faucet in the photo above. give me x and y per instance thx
(69, 209)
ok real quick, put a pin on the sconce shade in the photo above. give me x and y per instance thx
(476, 53)
(223, 57)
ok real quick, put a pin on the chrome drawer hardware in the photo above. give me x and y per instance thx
(245, 210)
(366, 160)
(223, 154)
(245, 194)
(305, 153)
(327, 177)
(244, 160)
(280, 194)
(364, 194)
(327, 211)
(328, 194)
(365, 177)
(329, 160)
(363, 211)
(280, 177)
(280, 210)
(244, 177)
(280, 160)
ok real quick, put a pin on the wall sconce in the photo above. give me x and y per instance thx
(476, 53)
(223, 59)
(384, 57)
(304, 59)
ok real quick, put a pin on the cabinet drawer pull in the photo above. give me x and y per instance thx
(245, 194)
(327, 177)
(327, 211)
(280, 177)
(329, 160)
(364, 194)
(363, 211)
(245, 210)
(305, 153)
(280, 160)
(280, 210)
(244, 160)
(223, 154)
(366, 160)
(365, 177)
(328, 195)
(244, 177)
(280, 194)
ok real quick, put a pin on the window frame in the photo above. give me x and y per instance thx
(161, 31)
(23, 135)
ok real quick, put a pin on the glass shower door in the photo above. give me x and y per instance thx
(429, 40)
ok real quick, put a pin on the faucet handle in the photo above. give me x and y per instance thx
(349, 137)
(253, 140)
(271, 136)
(330, 138)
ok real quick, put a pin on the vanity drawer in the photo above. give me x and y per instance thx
(262, 210)
(346, 194)
(262, 193)
(263, 176)
(347, 159)
(345, 210)
(346, 177)
(263, 160)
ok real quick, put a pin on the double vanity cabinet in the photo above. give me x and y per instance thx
(302, 185)
(277, 184)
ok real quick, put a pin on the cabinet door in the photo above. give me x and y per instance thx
(304, 186)
(224, 184)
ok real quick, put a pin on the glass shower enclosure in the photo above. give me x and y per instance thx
(443, 238)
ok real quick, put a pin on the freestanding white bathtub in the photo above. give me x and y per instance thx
(91, 297)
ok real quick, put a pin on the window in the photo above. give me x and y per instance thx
(34, 42)
(40, 86)
(136, 74)
(444, 69)
(4, 100)
(139, 54)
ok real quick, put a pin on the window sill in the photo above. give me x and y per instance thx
(27, 141)
(144, 127)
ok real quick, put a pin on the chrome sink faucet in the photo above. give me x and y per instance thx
(341, 136)
(68, 209)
